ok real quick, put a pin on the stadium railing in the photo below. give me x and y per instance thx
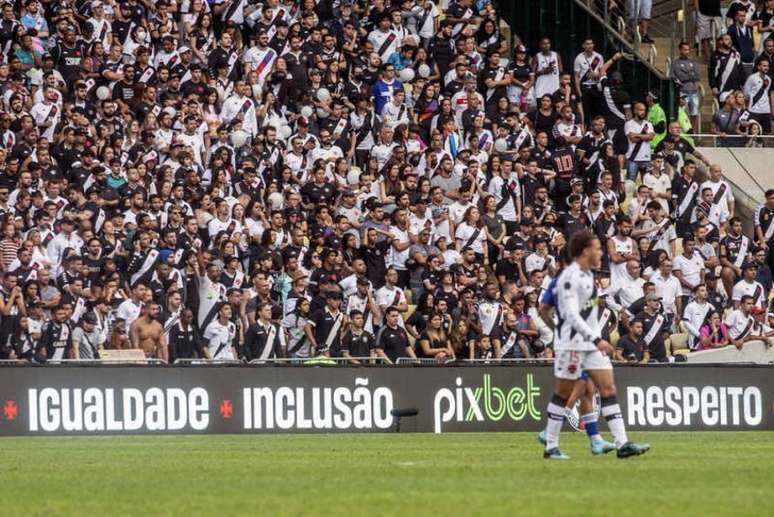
(146, 361)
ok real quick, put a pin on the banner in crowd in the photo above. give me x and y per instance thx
(237, 399)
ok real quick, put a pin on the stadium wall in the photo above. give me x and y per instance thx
(68, 400)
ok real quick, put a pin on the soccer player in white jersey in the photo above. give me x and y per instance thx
(583, 392)
(579, 347)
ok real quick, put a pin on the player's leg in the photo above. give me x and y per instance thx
(567, 370)
(601, 372)
(577, 390)
(588, 416)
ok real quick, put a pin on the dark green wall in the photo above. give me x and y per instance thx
(568, 24)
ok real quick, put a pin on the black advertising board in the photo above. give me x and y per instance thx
(62, 400)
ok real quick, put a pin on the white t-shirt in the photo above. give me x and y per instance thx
(737, 323)
(668, 289)
(638, 151)
(129, 311)
(469, 236)
(219, 339)
(754, 289)
(691, 269)
(386, 297)
(395, 258)
(659, 184)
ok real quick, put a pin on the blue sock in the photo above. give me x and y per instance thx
(591, 429)
(590, 424)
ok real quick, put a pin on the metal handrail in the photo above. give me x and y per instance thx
(619, 36)
(185, 361)
(509, 360)
(309, 361)
(421, 361)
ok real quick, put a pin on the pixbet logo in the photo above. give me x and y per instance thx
(485, 402)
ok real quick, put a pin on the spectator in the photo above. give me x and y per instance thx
(725, 68)
(707, 24)
(742, 39)
(631, 347)
(714, 333)
(240, 170)
(639, 16)
(686, 74)
(757, 90)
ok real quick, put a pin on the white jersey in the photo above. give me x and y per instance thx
(694, 316)
(505, 192)
(219, 339)
(586, 65)
(395, 258)
(739, 325)
(638, 151)
(691, 269)
(722, 195)
(386, 297)
(618, 271)
(756, 89)
(753, 289)
(576, 310)
(490, 314)
(546, 84)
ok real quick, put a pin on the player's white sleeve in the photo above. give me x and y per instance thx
(570, 311)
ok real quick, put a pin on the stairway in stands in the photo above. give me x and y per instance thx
(672, 21)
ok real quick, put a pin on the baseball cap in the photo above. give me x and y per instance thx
(652, 298)
(757, 310)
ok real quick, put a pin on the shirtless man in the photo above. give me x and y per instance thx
(148, 334)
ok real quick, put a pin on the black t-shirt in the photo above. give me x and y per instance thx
(393, 341)
(356, 346)
(616, 101)
(656, 346)
(506, 268)
(565, 163)
(571, 223)
(313, 193)
(184, 344)
(709, 7)
(323, 322)
(631, 349)
(434, 343)
(374, 259)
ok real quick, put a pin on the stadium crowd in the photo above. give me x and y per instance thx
(255, 180)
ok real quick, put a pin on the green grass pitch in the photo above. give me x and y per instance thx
(385, 474)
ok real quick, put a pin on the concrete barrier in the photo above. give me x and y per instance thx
(750, 174)
(753, 352)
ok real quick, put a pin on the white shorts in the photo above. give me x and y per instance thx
(570, 364)
(640, 9)
(704, 29)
